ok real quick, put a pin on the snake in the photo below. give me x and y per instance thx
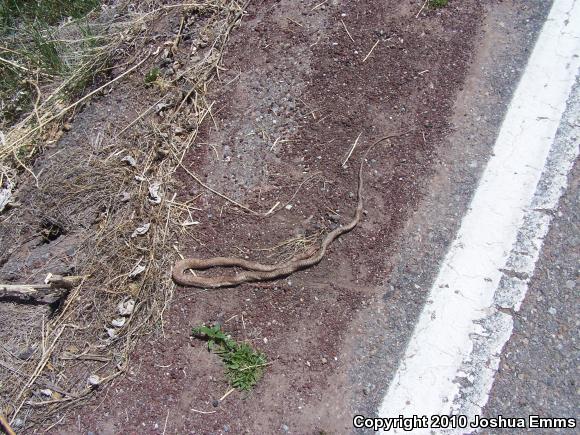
(253, 271)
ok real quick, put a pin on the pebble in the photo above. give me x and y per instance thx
(570, 284)
(94, 380)
(26, 353)
(284, 428)
(215, 403)
(552, 311)
(324, 360)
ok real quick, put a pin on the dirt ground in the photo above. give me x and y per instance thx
(301, 82)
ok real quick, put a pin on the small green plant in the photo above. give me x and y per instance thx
(435, 4)
(244, 365)
(152, 75)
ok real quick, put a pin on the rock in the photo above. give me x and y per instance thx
(215, 403)
(284, 428)
(552, 311)
(5, 195)
(124, 196)
(324, 360)
(94, 380)
(26, 353)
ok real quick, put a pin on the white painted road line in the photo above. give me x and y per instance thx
(461, 332)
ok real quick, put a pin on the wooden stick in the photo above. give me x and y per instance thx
(351, 150)
(367, 56)
(55, 289)
(347, 32)
(421, 10)
(29, 294)
(5, 426)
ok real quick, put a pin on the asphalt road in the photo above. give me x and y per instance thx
(538, 374)
(511, 30)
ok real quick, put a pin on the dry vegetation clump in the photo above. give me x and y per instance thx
(112, 194)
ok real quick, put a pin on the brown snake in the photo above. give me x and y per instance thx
(254, 271)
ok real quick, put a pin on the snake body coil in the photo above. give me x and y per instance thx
(254, 271)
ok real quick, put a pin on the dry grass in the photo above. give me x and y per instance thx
(80, 349)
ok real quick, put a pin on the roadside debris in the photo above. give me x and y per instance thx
(126, 307)
(141, 230)
(154, 195)
(130, 161)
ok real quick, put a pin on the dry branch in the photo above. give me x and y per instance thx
(5, 426)
(30, 294)
(49, 293)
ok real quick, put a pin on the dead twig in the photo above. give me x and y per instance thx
(351, 150)
(421, 10)
(230, 391)
(202, 412)
(48, 293)
(5, 426)
(371, 50)
(347, 32)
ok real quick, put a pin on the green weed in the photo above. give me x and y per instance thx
(435, 4)
(152, 75)
(244, 365)
(33, 51)
(43, 50)
(49, 12)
